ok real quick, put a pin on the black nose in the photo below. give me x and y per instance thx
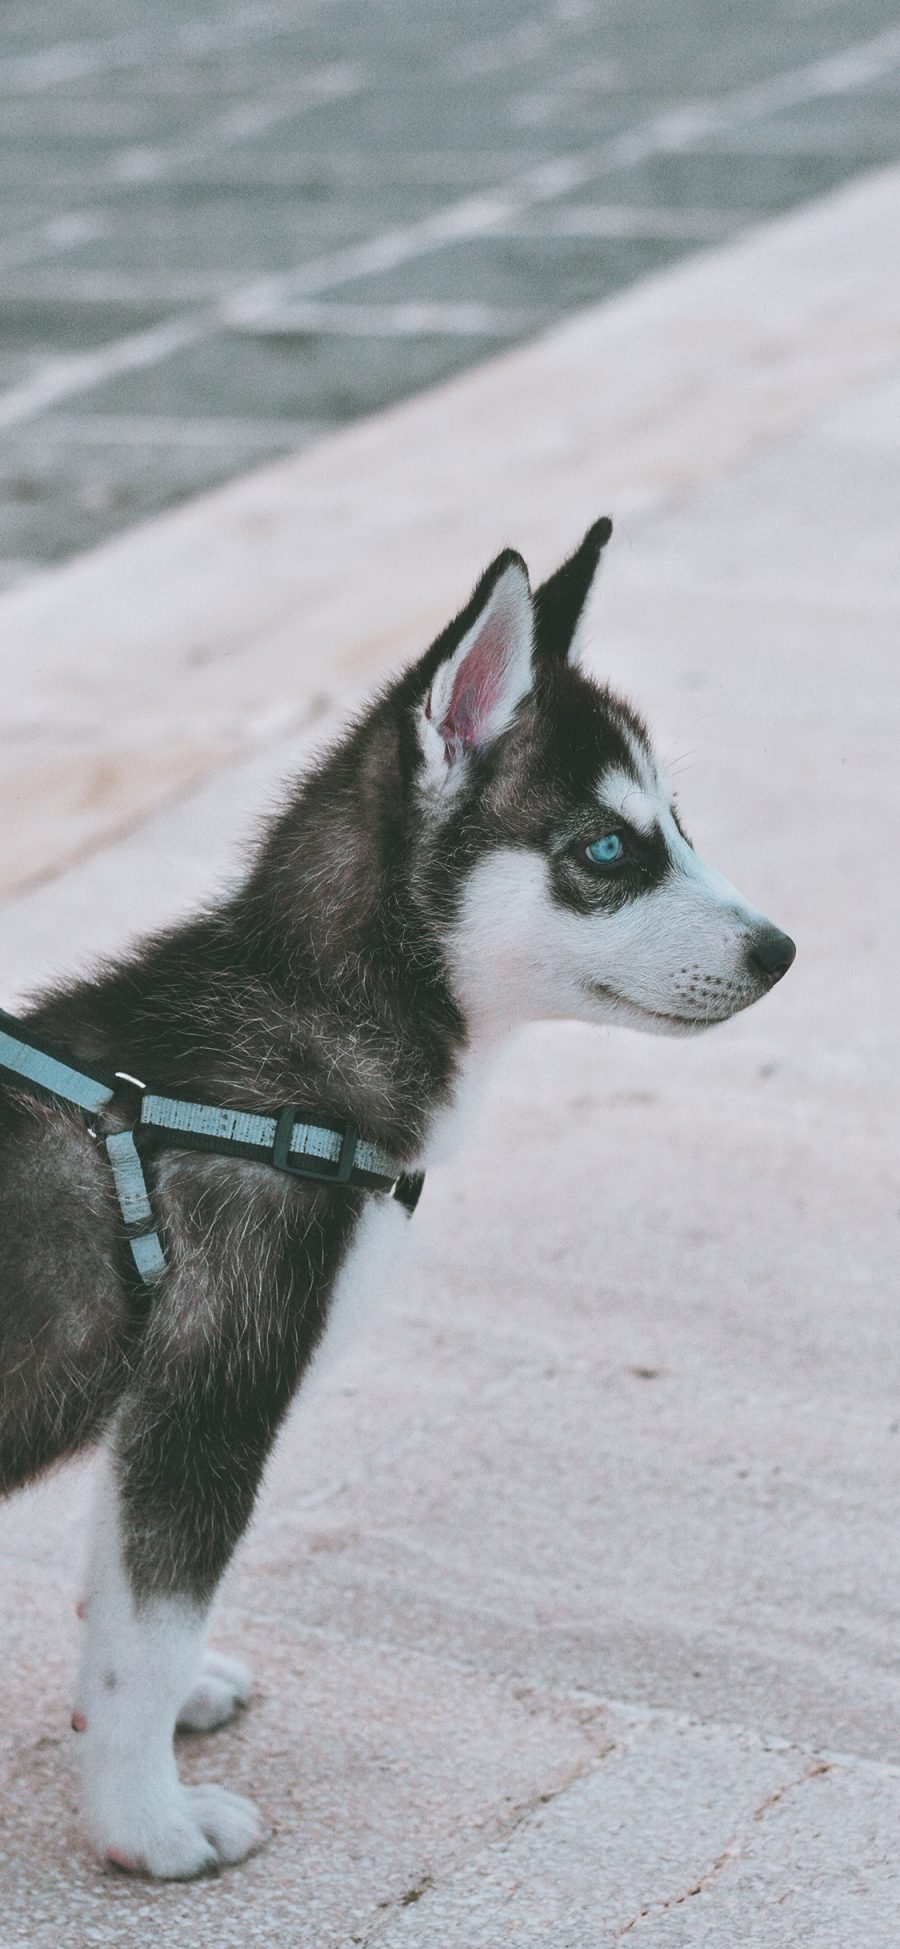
(770, 952)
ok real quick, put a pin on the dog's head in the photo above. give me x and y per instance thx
(551, 854)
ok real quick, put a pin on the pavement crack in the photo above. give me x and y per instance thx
(495, 1833)
(737, 1849)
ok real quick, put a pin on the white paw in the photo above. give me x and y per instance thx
(222, 1687)
(202, 1828)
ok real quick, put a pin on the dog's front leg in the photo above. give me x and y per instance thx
(143, 1672)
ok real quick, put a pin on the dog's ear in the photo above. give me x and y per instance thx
(559, 604)
(479, 670)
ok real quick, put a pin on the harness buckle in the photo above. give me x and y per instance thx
(125, 1076)
(126, 1098)
(299, 1163)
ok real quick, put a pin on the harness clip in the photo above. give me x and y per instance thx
(299, 1163)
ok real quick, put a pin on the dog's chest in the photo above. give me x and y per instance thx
(382, 1233)
(363, 1279)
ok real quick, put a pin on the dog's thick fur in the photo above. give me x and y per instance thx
(428, 888)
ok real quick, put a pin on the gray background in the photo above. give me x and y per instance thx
(226, 229)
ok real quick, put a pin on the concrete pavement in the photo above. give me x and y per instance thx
(234, 225)
(134, 672)
(572, 1595)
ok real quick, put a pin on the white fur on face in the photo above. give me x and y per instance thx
(634, 802)
(670, 962)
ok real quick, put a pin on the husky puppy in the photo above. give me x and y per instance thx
(492, 842)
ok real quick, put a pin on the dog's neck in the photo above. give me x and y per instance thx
(360, 967)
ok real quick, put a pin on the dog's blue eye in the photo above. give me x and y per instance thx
(606, 849)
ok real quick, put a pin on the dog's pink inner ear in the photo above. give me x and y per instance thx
(479, 685)
(477, 689)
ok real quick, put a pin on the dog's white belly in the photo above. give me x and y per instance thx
(363, 1279)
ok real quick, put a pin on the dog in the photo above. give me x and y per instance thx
(492, 842)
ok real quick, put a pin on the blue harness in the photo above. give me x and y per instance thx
(325, 1153)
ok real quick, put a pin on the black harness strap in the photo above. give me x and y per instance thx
(322, 1153)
